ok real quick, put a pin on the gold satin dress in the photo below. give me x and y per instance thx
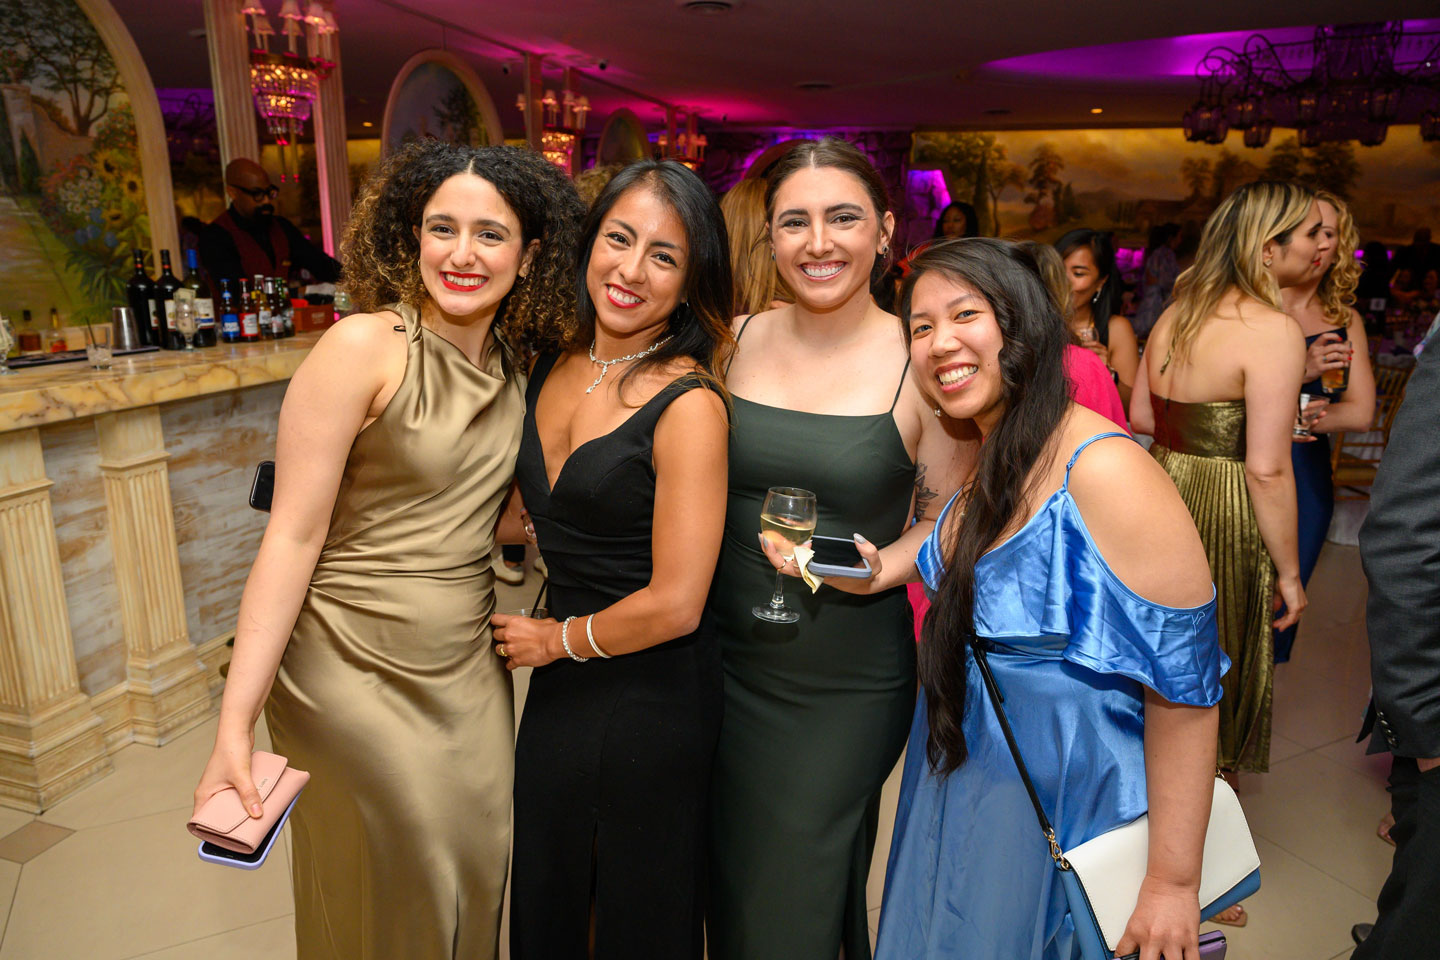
(389, 693)
(1202, 448)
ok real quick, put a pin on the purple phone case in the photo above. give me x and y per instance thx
(1212, 947)
(225, 861)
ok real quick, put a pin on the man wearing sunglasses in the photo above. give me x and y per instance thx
(248, 238)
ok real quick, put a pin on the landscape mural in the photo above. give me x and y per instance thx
(1040, 183)
(72, 200)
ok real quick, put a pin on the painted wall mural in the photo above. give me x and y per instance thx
(436, 94)
(72, 199)
(1040, 183)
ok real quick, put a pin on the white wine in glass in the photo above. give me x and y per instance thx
(787, 519)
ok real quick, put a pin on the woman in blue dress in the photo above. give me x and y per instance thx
(1070, 553)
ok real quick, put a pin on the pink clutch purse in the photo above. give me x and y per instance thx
(223, 820)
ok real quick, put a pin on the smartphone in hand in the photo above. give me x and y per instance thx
(837, 557)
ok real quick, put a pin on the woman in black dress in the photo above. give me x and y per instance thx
(623, 471)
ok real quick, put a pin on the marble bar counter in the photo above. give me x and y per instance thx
(125, 539)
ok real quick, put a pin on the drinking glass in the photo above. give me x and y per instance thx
(1302, 422)
(1336, 380)
(185, 321)
(787, 519)
(98, 349)
(1088, 335)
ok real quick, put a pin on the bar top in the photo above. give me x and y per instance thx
(69, 391)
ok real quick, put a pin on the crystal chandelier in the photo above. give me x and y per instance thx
(563, 120)
(286, 84)
(1348, 83)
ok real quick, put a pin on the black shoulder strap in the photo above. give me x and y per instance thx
(743, 324)
(978, 647)
(901, 386)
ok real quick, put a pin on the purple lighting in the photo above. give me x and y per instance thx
(1159, 57)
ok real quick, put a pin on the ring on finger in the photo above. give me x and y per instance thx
(500, 649)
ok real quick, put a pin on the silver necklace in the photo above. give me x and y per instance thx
(605, 365)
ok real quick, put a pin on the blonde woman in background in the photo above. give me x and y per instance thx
(1334, 338)
(758, 286)
(1218, 389)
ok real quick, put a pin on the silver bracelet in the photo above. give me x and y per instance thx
(565, 641)
(590, 635)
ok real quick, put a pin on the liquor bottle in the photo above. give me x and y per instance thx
(262, 307)
(164, 309)
(229, 315)
(139, 293)
(29, 337)
(249, 313)
(286, 312)
(205, 335)
(55, 337)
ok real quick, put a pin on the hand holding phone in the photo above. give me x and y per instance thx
(838, 557)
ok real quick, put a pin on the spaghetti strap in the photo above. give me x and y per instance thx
(901, 385)
(745, 323)
(1081, 449)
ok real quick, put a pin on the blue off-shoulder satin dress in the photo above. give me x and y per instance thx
(1073, 649)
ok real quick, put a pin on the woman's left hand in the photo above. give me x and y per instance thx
(526, 642)
(1099, 349)
(1166, 923)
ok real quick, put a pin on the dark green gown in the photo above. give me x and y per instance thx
(816, 712)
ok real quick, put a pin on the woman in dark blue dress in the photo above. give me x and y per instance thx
(1334, 338)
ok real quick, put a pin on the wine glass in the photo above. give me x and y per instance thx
(787, 519)
(185, 321)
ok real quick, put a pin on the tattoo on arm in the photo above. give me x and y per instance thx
(924, 496)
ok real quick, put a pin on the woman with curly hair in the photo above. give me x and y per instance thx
(365, 620)
(1323, 306)
(622, 468)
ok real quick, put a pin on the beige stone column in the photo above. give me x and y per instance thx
(50, 738)
(534, 89)
(229, 48)
(331, 159)
(166, 682)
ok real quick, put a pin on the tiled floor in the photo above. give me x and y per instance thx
(127, 884)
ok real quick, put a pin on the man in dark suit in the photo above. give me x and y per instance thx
(1400, 548)
(249, 239)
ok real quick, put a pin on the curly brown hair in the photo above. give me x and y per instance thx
(1337, 287)
(381, 254)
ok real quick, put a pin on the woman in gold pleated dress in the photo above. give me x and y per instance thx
(365, 619)
(1219, 390)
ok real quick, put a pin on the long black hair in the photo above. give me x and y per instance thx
(699, 327)
(1106, 303)
(1035, 395)
(972, 223)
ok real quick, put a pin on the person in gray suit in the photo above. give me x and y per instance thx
(1400, 549)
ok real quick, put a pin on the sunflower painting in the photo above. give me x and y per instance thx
(72, 196)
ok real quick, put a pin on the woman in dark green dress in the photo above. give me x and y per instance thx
(817, 712)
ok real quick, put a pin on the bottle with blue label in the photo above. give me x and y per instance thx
(229, 318)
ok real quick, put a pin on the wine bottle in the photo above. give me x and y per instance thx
(277, 320)
(205, 335)
(263, 295)
(139, 293)
(229, 315)
(249, 313)
(164, 309)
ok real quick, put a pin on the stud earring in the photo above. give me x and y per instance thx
(1267, 263)
(937, 411)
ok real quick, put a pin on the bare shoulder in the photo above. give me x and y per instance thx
(363, 335)
(1138, 521)
(696, 414)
